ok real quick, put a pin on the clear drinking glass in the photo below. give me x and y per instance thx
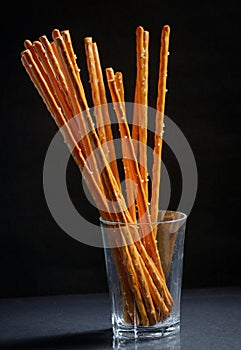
(138, 286)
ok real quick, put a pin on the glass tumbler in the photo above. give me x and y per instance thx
(144, 263)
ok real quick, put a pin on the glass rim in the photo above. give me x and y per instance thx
(121, 223)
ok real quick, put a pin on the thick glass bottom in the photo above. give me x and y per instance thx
(163, 329)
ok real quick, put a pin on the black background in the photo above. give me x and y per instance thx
(36, 256)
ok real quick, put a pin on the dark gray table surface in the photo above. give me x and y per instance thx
(210, 319)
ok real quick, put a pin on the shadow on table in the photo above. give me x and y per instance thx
(95, 340)
(101, 339)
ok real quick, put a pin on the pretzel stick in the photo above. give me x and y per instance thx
(139, 127)
(128, 150)
(120, 86)
(160, 106)
(68, 43)
(105, 113)
(136, 116)
(95, 94)
(130, 191)
(143, 108)
(129, 186)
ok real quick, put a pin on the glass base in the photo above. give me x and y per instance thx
(170, 342)
(132, 332)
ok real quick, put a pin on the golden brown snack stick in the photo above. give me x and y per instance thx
(143, 108)
(128, 150)
(160, 106)
(136, 115)
(105, 113)
(95, 94)
(120, 86)
(68, 43)
(130, 192)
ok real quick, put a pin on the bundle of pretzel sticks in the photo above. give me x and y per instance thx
(53, 69)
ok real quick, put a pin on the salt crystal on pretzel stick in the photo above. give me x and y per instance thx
(160, 106)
